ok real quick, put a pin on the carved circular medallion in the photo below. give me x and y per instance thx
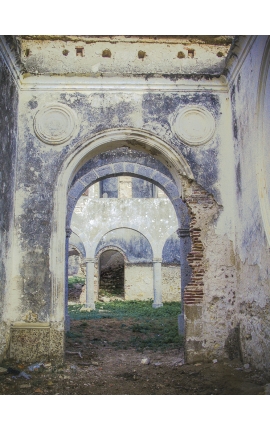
(55, 124)
(194, 125)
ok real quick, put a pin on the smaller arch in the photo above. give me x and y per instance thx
(73, 250)
(75, 240)
(75, 261)
(111, 276)
(128, 245)
(91, 247)
(111, 248)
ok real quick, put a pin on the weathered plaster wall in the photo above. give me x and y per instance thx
(59, 57)
(39, 164)
(138, 282)
(151, 106)
(155, 219)
(171, 283)
(227, 299)
(208, 311)
(8, 147)
(250, 95)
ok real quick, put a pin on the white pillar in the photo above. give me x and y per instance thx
(90, 272)
(157, 283)
(67, 317)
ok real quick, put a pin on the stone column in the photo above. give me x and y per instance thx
(157, 283)
(185, 248)
(90, 273)
(67, 317)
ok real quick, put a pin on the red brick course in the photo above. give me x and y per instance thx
(194, 290)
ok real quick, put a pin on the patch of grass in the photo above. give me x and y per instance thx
(75, 280)
(152, 328)
(126, 309)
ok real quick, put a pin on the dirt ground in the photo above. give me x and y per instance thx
(94, 366)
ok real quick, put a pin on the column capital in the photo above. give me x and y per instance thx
(157, 260)
(68, 232)
(89, 260)
(183, 232)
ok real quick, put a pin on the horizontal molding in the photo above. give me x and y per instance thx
(26, 325)
(121, 84)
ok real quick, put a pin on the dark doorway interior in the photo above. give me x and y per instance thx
(111, 274)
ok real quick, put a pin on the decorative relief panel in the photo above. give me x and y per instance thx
(55, 124)
(194, 125)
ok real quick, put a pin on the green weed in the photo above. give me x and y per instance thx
(152, 328)
(75, 280)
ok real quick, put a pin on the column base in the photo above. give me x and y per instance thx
(88, 307)
(157, 305)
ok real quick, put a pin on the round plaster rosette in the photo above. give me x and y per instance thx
(55, 124)
(194, 125)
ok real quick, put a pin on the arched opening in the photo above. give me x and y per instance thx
(111, 275)
(76, 275)
(136, 178)
(111, 154)
(75, 262)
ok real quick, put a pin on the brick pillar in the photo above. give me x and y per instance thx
(157, 283)
(185, 247)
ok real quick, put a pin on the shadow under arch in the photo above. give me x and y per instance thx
(171, 245)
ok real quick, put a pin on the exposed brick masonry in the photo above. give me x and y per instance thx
(194, 290)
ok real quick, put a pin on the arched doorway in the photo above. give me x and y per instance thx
(111, 275)
(168, 172)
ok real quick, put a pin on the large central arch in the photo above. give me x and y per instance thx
(83, 152)
(109, 139)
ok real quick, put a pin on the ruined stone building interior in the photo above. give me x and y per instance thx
(143, 153)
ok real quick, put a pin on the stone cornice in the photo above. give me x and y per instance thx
(189, 83)
(172, 39)
(170, 83)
